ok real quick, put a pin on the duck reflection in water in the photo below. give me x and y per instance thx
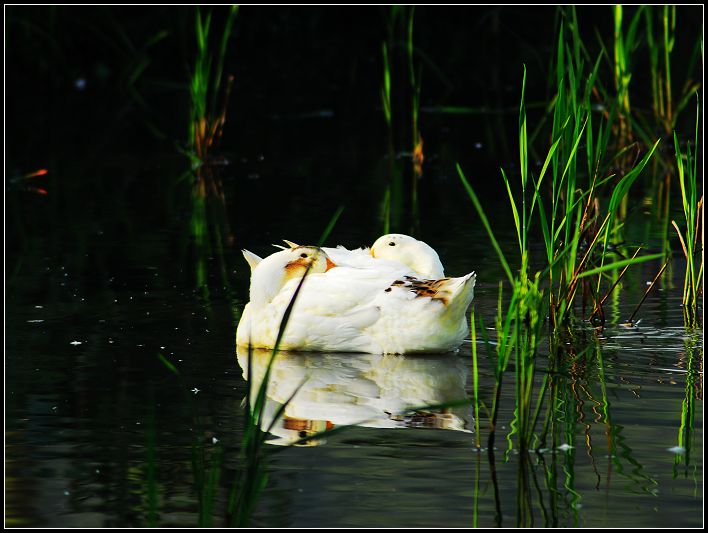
(367, 390)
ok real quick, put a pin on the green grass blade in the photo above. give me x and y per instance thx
(619, 264)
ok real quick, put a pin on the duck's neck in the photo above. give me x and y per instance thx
(426, 262)
(271, 274)
(266, 282)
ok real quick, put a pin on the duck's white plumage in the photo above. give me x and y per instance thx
(366, 304)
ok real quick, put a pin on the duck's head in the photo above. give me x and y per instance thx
(270, 274)
(411, 252)
(302, 258)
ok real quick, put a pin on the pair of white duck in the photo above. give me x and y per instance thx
(391, 298)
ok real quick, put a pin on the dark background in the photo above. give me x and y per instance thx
(99, 97)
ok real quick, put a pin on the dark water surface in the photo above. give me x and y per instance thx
(100, 433)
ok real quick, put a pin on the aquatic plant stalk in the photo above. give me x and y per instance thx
(205, 88)
(623, 48)
(417, 156)
(209, 100)
(693, 215)
(253, 477)
(475, 377)
(572, 219)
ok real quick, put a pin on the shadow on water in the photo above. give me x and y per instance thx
(210, 233)
(693, 360)
(375, 391)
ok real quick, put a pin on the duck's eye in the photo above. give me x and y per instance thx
(392, 244)
(303, 256)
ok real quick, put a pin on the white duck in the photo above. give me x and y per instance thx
(401, 249)
(375, 302)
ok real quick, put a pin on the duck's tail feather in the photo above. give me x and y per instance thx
(251, 258)
(461, 291)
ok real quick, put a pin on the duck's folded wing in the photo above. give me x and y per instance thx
(308, 330)
(340, 290)
(330, 312)
(343, 257)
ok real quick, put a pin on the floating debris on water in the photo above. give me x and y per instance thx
(565, 447)
(75, 343)
(35, 321)
(195, 390)
(677, 450)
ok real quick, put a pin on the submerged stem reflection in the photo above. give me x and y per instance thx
(693, 390)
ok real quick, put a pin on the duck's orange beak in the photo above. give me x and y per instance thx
(330, 265)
